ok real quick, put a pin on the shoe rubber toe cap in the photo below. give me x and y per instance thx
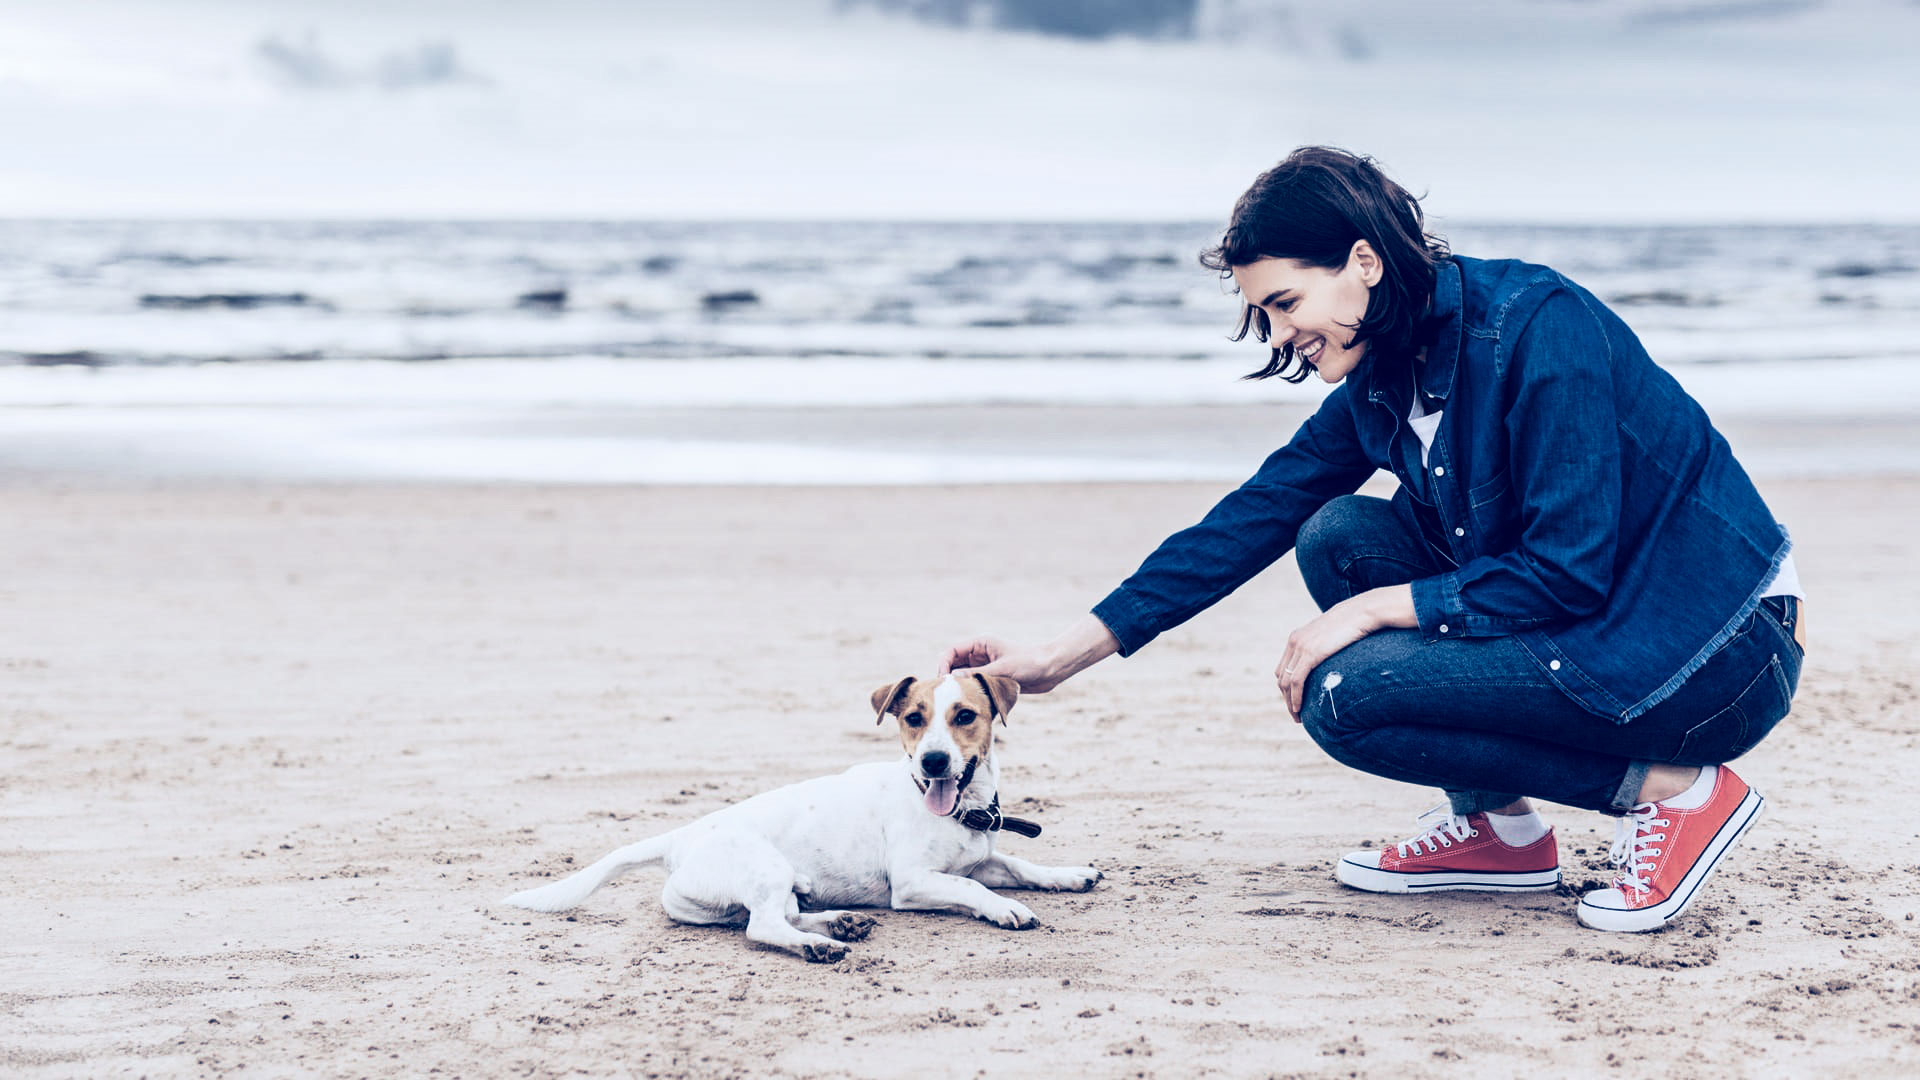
(1605, 900)
(1368, 859)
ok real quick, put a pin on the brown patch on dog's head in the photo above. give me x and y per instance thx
(888, 696)
(970, 714)
(963, 707)
(911, 701)
(1001, 693)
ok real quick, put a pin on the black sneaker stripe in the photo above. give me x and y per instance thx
(1752, 813)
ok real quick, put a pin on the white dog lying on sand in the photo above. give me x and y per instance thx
(914, 835)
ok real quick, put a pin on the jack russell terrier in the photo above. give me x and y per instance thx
(914, 836)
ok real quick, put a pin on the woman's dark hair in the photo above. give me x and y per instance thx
(1312, 207)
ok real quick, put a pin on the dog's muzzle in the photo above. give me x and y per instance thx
(942, 793)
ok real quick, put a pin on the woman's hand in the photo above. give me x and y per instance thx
(1334, 629)
(1024, 664)
(1037, 669)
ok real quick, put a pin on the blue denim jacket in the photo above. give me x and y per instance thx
(1592, 511)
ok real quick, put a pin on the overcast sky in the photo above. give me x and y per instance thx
(1539, 110)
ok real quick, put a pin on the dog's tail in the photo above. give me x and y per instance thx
(568, 892)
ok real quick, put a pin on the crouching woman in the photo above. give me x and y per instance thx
(1576, 594)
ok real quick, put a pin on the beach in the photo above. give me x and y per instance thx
(278, 744)
(441, 444)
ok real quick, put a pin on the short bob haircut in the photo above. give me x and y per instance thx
(1312, 207)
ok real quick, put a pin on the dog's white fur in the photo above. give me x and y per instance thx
(863, 838)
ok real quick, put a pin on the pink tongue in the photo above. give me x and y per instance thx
(941, 795)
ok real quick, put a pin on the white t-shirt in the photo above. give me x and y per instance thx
(1424, 424)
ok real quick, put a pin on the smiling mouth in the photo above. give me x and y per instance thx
(1307, 354)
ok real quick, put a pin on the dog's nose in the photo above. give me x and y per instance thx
(934, 763)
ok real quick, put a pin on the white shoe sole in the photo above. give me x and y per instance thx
(1644, 920)
(1374, 879)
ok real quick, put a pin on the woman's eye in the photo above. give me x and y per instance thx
(962, 718)
(1286, 305)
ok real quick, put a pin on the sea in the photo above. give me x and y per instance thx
(506, 351)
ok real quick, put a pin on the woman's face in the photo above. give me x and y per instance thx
(1312, 309)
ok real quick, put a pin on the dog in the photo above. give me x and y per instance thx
(913, 835)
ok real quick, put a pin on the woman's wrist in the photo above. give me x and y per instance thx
(1079, 647)
(1389, 607)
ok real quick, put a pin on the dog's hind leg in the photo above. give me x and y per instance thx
(735, 875)
(838, 925)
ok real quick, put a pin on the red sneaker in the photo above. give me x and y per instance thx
(1454, 853)
(1665, 855)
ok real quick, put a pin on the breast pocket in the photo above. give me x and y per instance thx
(1496, 514)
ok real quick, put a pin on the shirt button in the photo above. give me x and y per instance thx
(1459, 532)
(1441, 471)
(1443, 628)
(1554, 664)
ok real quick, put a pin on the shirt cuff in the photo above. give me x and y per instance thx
(1436, 606)
(1129, 625)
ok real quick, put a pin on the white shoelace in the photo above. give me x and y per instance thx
(1633, 849)
(1443, 828)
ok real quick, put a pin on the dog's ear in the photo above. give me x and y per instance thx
(884, 697)
(1001, 693)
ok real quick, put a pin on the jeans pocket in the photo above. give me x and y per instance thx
(1783, 626)
(1740, 726)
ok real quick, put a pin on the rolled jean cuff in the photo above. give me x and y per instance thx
(1627, 796)
(1478, 802)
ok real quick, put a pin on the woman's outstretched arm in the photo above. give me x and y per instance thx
(1037, 668)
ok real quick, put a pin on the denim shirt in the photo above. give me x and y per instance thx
(1592, 511)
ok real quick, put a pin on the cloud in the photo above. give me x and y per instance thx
(1086, 19)
(434, 63)
(1699, 14)
(300, 65)
(304, 65)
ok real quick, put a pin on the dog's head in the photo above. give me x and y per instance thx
(946, 726)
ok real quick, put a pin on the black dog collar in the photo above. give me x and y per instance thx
(989, 819)
(992, 820)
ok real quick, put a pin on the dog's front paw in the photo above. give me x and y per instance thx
(1064, 878)
(1080, 878)
(1015, 916)
(823, 952)
(851, 927)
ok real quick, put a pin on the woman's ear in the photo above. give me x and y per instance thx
(1368, 261)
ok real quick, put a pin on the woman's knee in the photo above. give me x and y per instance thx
(1320, 712)
(1322, 547)
(1361, 689)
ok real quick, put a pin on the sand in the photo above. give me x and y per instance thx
(273, 752)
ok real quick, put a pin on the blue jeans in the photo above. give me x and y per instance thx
(1479, 719)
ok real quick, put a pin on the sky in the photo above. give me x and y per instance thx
(1512, 110)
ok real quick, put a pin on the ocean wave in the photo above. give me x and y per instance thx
(230, 301)
(104, 294)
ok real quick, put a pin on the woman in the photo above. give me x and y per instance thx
(1575, 595)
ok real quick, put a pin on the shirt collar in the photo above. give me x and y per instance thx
(1443, 354)
(1443, 351)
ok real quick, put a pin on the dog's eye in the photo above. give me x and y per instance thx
(915, 720)
(963, 718)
